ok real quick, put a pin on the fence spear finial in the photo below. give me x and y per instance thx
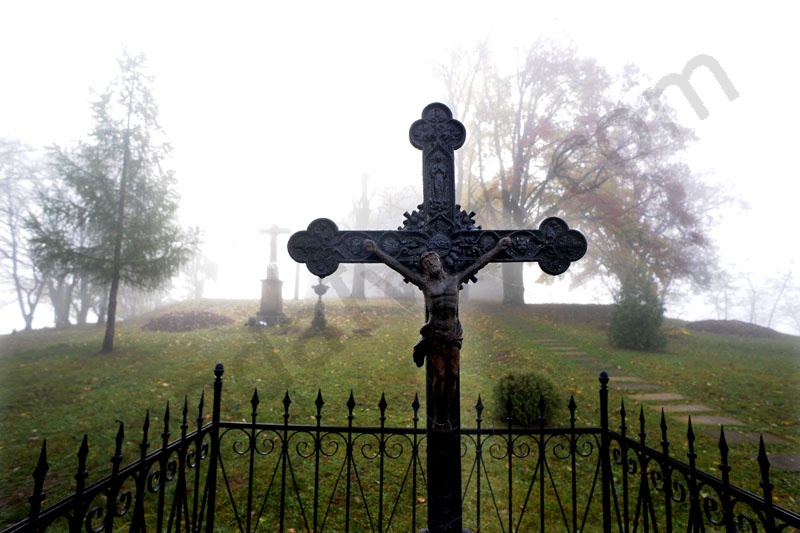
(39, 474)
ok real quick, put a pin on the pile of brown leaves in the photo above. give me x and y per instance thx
(186, 321)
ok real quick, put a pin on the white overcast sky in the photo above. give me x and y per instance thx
(276, 110)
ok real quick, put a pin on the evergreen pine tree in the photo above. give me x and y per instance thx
(116, 195)
(638, 314)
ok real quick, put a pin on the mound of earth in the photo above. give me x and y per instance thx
(591, 314)
(186, 321)
(733, 327)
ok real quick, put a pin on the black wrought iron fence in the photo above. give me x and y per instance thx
(282, 476)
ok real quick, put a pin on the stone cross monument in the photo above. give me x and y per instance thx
(438, 249)
(271, 311)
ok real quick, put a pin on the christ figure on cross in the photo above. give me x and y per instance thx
(438, 249)
(441, 335)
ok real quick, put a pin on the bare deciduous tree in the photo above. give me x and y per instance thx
(560, 135)
(17, 174)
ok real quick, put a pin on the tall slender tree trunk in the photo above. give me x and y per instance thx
(60, 292)
(111, 317)
(102, 306)
(513, 287)
(108, 340)
(84, 301)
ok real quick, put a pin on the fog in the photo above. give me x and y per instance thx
(276, 112)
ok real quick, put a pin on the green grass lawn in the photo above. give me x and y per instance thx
(55, 385)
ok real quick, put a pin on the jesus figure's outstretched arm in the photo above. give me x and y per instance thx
(483, 260)
(393, 263)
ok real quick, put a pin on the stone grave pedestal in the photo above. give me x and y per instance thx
(271, 310)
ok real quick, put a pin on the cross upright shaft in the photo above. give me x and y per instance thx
(273, 233)
(438, 249)
(438, 224)
(438, 135)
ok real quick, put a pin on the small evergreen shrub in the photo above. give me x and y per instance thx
(638, 314)
(525, 391)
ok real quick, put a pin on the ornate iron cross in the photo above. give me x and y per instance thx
(438, 224)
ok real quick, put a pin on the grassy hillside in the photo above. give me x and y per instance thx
(55, 385)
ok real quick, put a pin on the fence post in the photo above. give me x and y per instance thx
(667, 473)
(725, 469)
(605, 452)
(114, 487)
(510, 452)
(163, 460)
(180, 501)
(415, 405)
(766, 486)
(80, 477)
(138, 520)
(211, 480)
(382, 405)
(197, 518)
(319, 403)
(478, 462)
(624, 449)
(39, 474)
(695, 513)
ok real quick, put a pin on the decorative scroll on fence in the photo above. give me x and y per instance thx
(260, 476)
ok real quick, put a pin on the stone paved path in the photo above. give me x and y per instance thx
(653, 395)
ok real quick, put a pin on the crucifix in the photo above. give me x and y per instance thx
(439, 248)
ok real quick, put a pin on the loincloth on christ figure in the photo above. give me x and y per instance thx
(432, 341)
